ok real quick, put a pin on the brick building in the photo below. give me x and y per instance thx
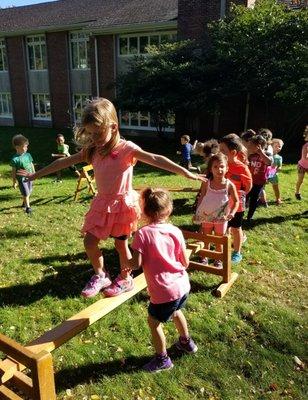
(54, 56)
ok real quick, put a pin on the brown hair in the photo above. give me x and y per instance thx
(266, 133)
(220, 157)
(210, 147)
(232, 141)
(100, 112)
(19, 140)
(247, 135)
(157, 204)
(258, 139)
(185, 137)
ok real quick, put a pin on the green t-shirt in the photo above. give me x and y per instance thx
(64, 149)
(277, 160)
(22, 161)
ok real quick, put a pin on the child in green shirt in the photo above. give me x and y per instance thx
(63, 151)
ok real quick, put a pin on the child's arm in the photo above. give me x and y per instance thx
(247, 180)
(32, 167)
(164, 163)
(203, 191)
(184, 257)
(54, 166)
(136, 261)
(235, 201)
(266, 159)
(14, 178)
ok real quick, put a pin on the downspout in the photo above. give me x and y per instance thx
(96, 66)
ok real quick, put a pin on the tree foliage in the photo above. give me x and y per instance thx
(260, 50)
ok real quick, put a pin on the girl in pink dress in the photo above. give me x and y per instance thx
(302, 166)
(114, 211)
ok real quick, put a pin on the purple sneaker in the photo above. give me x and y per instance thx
(118, 286)
(218, 264)
(95, 285)
(189, 347)
(158, 364)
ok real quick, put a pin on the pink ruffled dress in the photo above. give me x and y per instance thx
(115, 209)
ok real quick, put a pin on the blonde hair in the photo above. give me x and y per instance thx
(157, 204)
(276, 140)
(100, 112)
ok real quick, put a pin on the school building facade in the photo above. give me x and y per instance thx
(56, 56)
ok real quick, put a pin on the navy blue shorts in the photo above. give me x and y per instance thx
(25, 187)
(164, 311)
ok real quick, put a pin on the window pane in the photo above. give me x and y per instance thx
(144, 119)
(144, 41)
(164, 39)
(74, 56)
(38, 59)
(154, 40)
(125, 118)
(44, 58)
(82, 56)
(134, 119)
(123, 46)
(31, 57)
(133, 45)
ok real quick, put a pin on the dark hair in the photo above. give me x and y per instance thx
(157, 203)
(59, 135)
(186, 137)
(19, 140)
(266, 133)
(247, 135)
(232, 141)
(220, 157)
(258, 139)
(210, 147)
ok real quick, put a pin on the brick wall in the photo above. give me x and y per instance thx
(106, 66)
(18, 79)
(58, 69)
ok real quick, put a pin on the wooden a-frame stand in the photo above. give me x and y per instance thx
(196, 243)
(85, 180)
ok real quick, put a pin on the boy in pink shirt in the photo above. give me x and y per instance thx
(160, 248)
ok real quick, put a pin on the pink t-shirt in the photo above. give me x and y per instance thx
(303, 162)
(161, 246)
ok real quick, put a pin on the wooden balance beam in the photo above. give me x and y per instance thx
(36, 355)
(197, 242)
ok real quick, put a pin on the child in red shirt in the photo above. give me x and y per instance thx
(239, 174)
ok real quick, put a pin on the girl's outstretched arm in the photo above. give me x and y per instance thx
(54, 166)
(164, 163)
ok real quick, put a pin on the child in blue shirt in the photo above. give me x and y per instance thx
(186, 149)
(22, 160)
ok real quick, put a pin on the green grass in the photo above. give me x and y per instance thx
(247, 340)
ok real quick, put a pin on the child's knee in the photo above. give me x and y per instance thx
(90, 241)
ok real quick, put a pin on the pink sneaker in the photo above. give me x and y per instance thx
(95, 285)
(118, 286)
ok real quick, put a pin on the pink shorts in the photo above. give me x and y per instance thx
(219, 227)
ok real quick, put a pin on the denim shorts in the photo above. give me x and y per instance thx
(25, 187)
(164, 311)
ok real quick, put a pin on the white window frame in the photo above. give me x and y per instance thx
(33, 42)
(6, 98)
(140, 127)
(83, 99)
(43, 113)
(138, 36)
(81, 39)
(3, 56)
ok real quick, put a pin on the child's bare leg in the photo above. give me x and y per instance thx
(237, 234)
(300, 179)
(276, 192)
(26, 200)
(94, 253)
(180, 323)
(125, 255)
(158, 336)
(220, 229)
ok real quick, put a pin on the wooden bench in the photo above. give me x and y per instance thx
(198, 243)
(36, 355)
(86, 180)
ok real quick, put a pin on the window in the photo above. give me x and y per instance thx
(41, 106)
(80, 47)
(80, 101)
(136, 45)
(3, 58)
(37, 52)
(5, 105)
(142, 120)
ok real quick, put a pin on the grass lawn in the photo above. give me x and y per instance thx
(247, 340)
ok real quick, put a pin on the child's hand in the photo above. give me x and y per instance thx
(26, 174)
(229, 217)
(196, 177)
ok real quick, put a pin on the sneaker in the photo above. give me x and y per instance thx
(189, 347)
(236, 257)
(95, 285)
(218, 264)
(204, 261)
(298, 196)
(118, 286)
(28, 210)
(158, 364)
(278, 202)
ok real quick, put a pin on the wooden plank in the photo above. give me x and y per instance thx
(7, 394)
(62, 333)
(43, 377)
(206, 268)
(224, 287)
(195, 246)
(22, 382)
(216, 255)
(15, 350)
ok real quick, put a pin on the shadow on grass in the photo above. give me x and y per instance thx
(12, 234)
(96, 371)
(5, 187)
(278, 219)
